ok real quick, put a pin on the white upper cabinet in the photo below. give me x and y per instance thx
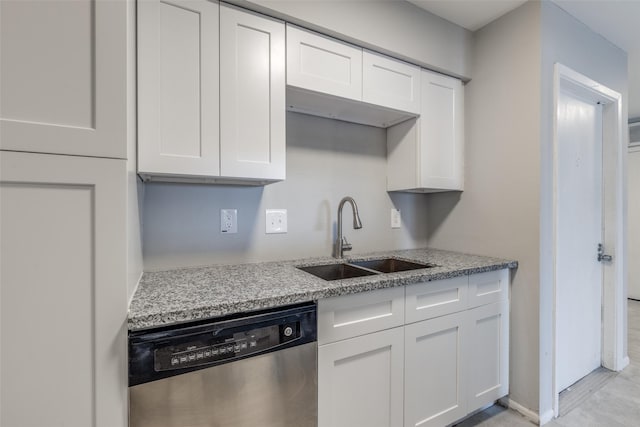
(252, 95)
(391, 83)
(63, 77)
(427, 154)
(330, 78)
(178, 111)
(200, 64)
(323, 64)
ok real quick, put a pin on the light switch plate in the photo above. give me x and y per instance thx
(228, 221)
(276, 221)
(396, 219)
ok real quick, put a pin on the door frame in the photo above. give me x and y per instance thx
(613, 354)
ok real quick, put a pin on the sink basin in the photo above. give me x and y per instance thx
(391, 265)
(336, 271)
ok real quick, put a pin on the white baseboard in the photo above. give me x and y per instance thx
(529, 414)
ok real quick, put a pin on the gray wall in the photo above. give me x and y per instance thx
(505, 209)
(497, 214)
(395, 27)
(326, 160)
(567, 41)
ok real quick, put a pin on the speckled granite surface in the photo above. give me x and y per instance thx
(181, 295)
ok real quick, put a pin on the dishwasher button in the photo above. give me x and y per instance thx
(288, 331)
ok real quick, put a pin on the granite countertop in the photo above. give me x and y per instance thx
(174, 296)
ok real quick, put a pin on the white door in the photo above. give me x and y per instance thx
(634, 222)
(579, 230)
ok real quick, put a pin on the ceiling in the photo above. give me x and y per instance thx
(616, 20)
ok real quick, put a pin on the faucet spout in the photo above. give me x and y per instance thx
(341, 242)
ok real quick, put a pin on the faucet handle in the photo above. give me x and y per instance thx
(346, 246)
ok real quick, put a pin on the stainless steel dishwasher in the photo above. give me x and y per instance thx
(256, 370)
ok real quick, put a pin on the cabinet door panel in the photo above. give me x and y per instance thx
(360, 381)
(63, 92)
(441, 132)
(64, 292)
(252, 95)
(435, 388)
(322, 64)
(178, 112)
(390, 83)
(488, 354)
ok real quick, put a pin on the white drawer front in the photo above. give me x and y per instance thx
(353, 315)
(489, 287)
(432, 299)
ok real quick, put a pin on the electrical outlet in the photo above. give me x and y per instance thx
(276, 221)
(396, 220)
(228, 221)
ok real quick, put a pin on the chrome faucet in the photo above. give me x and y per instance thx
(341, 242)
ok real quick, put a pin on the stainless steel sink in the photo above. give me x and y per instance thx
(391, 265)
(362, 268)
(336, 271)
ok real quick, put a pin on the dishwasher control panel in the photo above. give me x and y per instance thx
(214, 349)
(164, 352)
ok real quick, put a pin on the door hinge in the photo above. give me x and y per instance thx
(602, 256)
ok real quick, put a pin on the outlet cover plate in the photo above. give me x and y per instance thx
(396, 219)
(276, 221)
(228, 221)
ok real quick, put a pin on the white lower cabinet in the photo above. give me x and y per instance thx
(435, 383)
(448, 358)
(360, 381)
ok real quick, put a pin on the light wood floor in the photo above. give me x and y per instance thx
(616, 404)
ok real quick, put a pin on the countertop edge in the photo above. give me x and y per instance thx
(344, 287)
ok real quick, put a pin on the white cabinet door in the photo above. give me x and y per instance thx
(435, 387)
(427, 154)
(488, 354)
(252, 95)
(178, 112)
(63, 283)
(63, 77)
(441, 132)
(390, 83)
(323, 64)
(360, 381)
